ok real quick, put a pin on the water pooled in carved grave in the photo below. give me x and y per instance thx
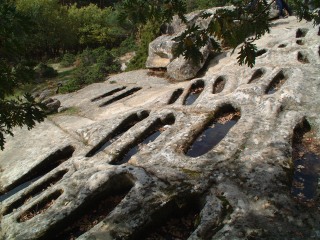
(215, 132)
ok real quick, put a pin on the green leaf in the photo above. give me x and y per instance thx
(247, 54)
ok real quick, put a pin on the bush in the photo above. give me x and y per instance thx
(149, 32)
(54, 60)
(101, 57)
(67, 60)
(70, 86)
(93, 67)
(83, 75)
(45, 71)
(87, 57)
(128, 45)
(204, 4)
(88, 74)
(107, 63)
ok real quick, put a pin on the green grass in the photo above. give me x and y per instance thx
(69, 111)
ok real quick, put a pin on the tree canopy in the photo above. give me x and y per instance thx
(14, 69)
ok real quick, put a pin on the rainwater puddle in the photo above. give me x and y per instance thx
(306, 160)
(50, 163)
(218, 128)
(118, 132)
(305, 178)
(35, 191)
(210, 138)
(194, 92)
(136, 149)
(18, 188)
(149, 135)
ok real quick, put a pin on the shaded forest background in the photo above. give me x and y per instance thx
(54, 27)
(90, 35)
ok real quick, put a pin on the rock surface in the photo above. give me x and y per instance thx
(240, 189)
(52, 105)
(181, 69)
(161, 50)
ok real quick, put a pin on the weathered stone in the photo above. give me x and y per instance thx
(62, 109)
(52, 105)
(161, 55)
(176, 26)
(125, 59)
(240, 189)
(45, 94)
(181, 69)
(162, 48)
(161, 52)
(274, 11)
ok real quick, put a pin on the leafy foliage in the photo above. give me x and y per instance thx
(128, 45)
(304, 12)
(18, 112)
(148, 33)
(227, 28)
(94, 26)
(45, 71)
(50, 27)
(247, 54)
(93, 66)
(141, 11)
(146, 17)
(14, 69)
(190, 42)
(204, 4)
(243, 23)
(68, 60)
(82, 3)
(55, 28)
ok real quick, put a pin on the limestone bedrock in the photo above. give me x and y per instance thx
(241, 187)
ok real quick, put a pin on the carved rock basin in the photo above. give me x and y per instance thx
(249, 184)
